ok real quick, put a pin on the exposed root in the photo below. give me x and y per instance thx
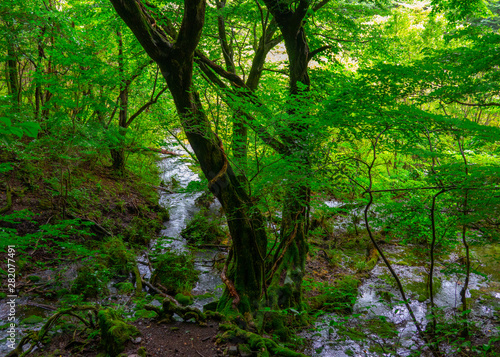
(265, 347)
(35, 337)
(169, 308)
(160, 292)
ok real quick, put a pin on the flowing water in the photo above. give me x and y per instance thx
(182, 207)
(377, 307)
(381, 324)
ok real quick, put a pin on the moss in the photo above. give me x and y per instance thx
(118, 256)
(91, 281)
(382, 328)
(340, 297)
(145, 314)
(211, 306)
(385, 295)
(202, 229)
(114, 332)
(421, 289)
(184, 300)
(33, 278)
(142, 352)
(265, 346)
(31, 320)
(142, 230)
(276, 325)
(169, 308)
(175, 272)
(125, 288)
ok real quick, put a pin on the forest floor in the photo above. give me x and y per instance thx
(49, 267)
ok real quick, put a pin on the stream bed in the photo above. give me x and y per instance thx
(181, 204)
(380, 324)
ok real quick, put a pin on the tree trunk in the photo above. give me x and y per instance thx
(13, 78)
(176, 64)
(289, 263)
(118, 152)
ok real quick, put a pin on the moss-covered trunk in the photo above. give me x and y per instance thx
(244, 220)
(286, 274)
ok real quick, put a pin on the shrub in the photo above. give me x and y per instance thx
(201, 229)
(175, 272)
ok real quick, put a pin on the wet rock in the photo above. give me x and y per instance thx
(232, 351)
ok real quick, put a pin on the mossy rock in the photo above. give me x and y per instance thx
(175, 272)
(211, 306)
(142, 352)
(114, 331)
(421, 289)
(385, 295)
(145, 314)
(202, 229)
(117, 255)
(125, 288)
(33, 278)
(91, 281)
(184, 300)
(339, 297)
(31, 320)
(382, 327)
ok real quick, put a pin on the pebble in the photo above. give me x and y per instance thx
(136, 340)
(232, 350)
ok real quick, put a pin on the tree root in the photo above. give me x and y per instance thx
(35, 337)
(169, 308)
(265, 346)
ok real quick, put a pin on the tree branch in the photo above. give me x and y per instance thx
(149, 35)
(144, 107)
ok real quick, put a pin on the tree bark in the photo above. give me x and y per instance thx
(175, 61)
(289, 262)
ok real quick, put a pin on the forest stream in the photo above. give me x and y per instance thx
(379, 319)
(379, 324)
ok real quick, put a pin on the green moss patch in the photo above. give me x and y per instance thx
(339, 296)
(31, 320)
(175, 272)
(114, 331)
(202, 229)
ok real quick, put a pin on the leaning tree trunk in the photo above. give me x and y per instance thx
(175, 60)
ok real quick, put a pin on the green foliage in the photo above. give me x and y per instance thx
(52, 236)
(338, 297)
(142, 230)
(91, 280)
(203, 228)
(117, 256)
(114, 332)
(175, 272)
(184, 300)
